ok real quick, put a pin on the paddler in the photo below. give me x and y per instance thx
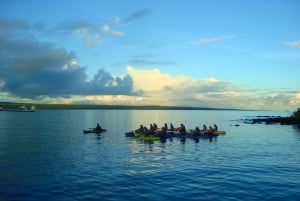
(166, 127)
(98, 127)
(171, 127)
(204, 127)
(215, 127)
(182, 129)
(140, 130)
(197, 131)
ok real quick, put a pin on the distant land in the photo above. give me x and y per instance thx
(12, 105)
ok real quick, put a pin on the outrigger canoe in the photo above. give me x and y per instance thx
(173, 134)
(94, 131)
(191, 135)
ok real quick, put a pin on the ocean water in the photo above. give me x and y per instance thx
(45, 156)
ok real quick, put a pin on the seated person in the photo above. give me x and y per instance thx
(98, 127)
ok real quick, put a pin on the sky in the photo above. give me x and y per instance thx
(200, 53)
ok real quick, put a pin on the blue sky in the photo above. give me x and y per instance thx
(228, 54)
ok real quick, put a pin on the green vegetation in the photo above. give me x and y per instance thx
(9, 105)
(296, 115)
(294, 119)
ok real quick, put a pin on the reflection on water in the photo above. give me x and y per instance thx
(297, 128)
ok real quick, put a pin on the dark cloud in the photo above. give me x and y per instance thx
(136, 15)
(109, 84)
(12, 24)
(12, 27)
(71, 25)
(31, 69)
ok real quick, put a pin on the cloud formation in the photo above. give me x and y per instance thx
(33, 69)
(36, 70)
(206, 41)
(165, 89)
(91, 34)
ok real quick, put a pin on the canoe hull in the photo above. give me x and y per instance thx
(93, 131)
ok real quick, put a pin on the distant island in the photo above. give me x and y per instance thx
(11, 105)
(294, 119)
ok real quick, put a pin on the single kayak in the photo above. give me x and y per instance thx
(94, 131)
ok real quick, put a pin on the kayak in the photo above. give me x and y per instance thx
(94, 131)
(141, 136)
(130, 134)
(149, 138)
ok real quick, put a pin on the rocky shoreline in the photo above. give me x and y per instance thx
(273, 120)
(294, 119)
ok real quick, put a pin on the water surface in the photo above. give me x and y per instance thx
(45, 156)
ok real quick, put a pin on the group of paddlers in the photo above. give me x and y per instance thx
(181, 130)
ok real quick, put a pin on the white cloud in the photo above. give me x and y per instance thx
(164, 89)
(71, 65)
(154, 79)
(293, 43)
(106, 28)
(90, 37)
(205, 41)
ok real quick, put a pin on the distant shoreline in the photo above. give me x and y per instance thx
(5, 105)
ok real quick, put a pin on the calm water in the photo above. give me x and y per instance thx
(45, 156)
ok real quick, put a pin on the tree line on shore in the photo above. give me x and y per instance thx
(293, 119)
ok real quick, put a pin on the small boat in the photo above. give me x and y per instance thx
(130, 134)
(23, 108)
(94, 131)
